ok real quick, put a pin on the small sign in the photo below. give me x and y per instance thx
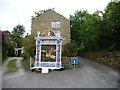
(48, 42)
(47, 64)
(74, 60)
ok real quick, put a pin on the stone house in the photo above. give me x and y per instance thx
(52, 21)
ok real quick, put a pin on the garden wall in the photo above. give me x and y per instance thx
(111, 59)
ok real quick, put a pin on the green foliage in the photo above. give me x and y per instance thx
(11, 51)
(12, 66)
(16, 36)
(112, 20)
(93, 32)
(4, 45)
(4, 53)
(11, 41)
(48, 59)
(19, 30)
(38, 13)
(29, 47)
(25, 64)
(70, 49)
(7, 47)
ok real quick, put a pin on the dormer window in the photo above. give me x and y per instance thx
(55, 24)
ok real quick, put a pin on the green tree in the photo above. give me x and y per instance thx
(112, 20)
(19, 30)
(29, 47)
(70, 49)
(17, 35)
(108, 32)
(84, 28)
(38, 13)
(95, 31)
(7, 45)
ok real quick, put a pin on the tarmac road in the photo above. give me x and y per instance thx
(0, 77)
(88, 75)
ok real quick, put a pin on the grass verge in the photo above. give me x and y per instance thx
(4, 58)
(12, 66)
(25, 64)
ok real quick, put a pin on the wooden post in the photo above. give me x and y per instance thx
(30, 61)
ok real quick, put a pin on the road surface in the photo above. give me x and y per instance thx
(88, 75)
(0, 77)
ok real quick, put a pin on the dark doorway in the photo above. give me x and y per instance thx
(19, 53)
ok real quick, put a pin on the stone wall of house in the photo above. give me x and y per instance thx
(43, 23)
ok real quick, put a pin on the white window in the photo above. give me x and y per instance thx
(55, 24)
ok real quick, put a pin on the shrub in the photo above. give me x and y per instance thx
(70, 49)
(12, 66)
(26, 64)
(29, 47)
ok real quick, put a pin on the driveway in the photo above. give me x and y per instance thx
(6, 74)
(88, 75)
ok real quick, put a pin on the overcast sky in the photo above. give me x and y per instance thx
(14, 12)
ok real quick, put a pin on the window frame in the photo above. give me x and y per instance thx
(56, 24)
